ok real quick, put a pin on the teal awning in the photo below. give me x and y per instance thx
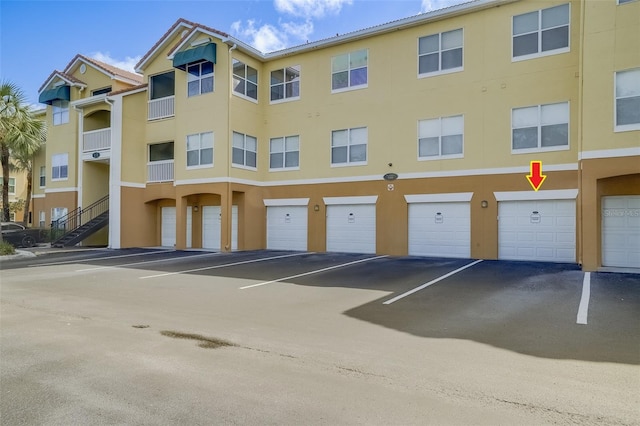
(206, 52)
(62, 93)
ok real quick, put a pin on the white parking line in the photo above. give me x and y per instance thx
(101, 258)
(583, 309)
(147, 261)
(312, 272)
(410, 292)
(222, 266)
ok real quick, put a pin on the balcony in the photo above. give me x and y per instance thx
(96, 140)
(161, 108)
(160, 171)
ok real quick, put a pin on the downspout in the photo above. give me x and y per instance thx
(229, 208)
(580, 77)
(79, 169)
(114, 178)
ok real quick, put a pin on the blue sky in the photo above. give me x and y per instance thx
(37, 37)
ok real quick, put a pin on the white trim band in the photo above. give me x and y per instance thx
(286, 202)
(439, 198)
(608, 153)
(559, 194)
(53, 190)
(367, 199)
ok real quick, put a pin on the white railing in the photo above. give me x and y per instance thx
(160, 171)
(161, 108)
(96, 139)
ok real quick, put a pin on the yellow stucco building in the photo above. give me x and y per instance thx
(414, 137)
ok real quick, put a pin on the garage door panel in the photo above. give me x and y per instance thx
(440, 229)
(287, 227)
(621, 231)
(212, 227)
(540, 230)
(168, 227)
(351, 228)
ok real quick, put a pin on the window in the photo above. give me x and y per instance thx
(285, 83)
(102, 91)
(42, 219)
(245, 80)
(540, 128)
(627, 107)
(59, 166)
(12, 218)
(542, 31)
(199, 78)
(58, 213)
(349, 70)
(625, 1)
(161, 151)
(200, 149)
(162, 85)
(60, 112)
(440, 52)
(284, 153)
(244, 150)
(43, 176)
(349, 146)
(441, 137)
(12, 186)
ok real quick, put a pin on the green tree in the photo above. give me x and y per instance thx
(20, 133)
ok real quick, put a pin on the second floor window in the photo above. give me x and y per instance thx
(245, 150)
(245, 80)
(200, 78)
(540, 32)
(60, 112)
(627, 104)
(43, 176)
(102, 91)
(285, 83)
(349, 146)
(440, 52)
(349, 70)
(12, 186)
(162, 85)
(200, 149)
(540, 128)
(441, 137)
(161, 151)
(59, 166)
(284, 153)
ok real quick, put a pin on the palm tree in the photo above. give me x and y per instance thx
(20, 133)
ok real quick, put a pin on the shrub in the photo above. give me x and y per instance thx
(6, 248)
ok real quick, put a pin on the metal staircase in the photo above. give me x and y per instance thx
(81, 223)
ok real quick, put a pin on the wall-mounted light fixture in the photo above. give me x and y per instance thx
(195, 208)
(484, 204)
(316, 208)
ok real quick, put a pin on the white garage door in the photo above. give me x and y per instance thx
(440, 229)
(189, 227)
(212, 227)
(540, 230)
(621, 231)
(351, 228)
(287, 228)
(168, 227)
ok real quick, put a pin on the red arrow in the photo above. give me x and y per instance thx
(535, 177)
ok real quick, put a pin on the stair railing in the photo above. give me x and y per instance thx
(78, 217)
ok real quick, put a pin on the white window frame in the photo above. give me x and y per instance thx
(12, 185)
(60, 112)
(192, 78)
(622, 127)
(151, 80)
(539, 31)
(244, 80)
(244, 152)
(440, 156)
(440, 71)
(539, 131)
(349, 69)
(42, 222)
(284, 154)
(58, 161)
(284, 84)
(349, 163)
(200, 165)
(43, 175)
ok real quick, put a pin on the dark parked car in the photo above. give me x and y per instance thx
(19, 236)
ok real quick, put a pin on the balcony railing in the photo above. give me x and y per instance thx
(96, 139)
(160, 171)
(161, 108)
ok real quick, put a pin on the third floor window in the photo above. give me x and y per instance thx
(199, 78)
(162, 85)
(285, 83)
(440, 52)
(541, 32)
(349, 70)
(245, 80)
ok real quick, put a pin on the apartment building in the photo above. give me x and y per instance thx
(413, 137)
(17, 193)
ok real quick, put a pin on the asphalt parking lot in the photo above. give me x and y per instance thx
(318, 339)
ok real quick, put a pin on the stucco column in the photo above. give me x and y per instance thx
(226, 203)
(181, 223)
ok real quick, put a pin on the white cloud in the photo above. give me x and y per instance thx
(429, 5)
(268, 38)
(310, 8)
(126, 64)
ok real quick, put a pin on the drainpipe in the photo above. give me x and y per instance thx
(229, 207)
(581, 198)
(79, 169)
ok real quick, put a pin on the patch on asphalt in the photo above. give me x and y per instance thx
(204, 342)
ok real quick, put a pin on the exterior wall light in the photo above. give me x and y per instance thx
(484, 204)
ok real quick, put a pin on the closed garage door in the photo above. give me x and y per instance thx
(440, 229)
(351, 228)
(212, 227)
(621, 231)
(168, 227)
(287, 228)
(540, 230)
